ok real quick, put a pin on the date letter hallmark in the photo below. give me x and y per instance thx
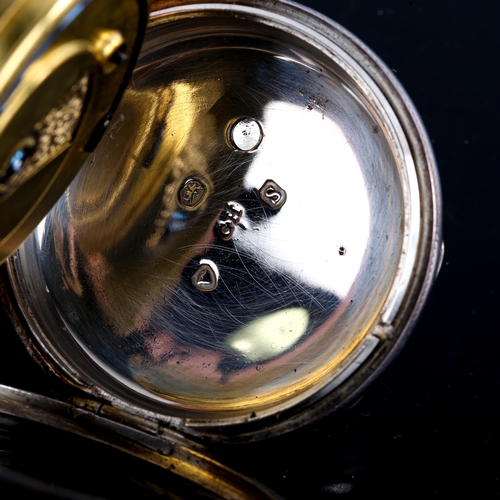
(272, 194)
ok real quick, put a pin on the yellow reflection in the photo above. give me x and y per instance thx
(124, 203)
(137, 165)
(269, 336)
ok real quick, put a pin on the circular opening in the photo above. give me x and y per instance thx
(200, 279)
(245, 134)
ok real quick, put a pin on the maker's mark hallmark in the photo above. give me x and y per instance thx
(233, 212)
(272, 194)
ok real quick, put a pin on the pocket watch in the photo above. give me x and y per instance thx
(246, 221)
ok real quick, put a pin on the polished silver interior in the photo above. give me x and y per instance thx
(232, 242)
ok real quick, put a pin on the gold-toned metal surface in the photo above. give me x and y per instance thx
(63, 64)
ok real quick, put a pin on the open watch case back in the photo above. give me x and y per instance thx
(246, 246)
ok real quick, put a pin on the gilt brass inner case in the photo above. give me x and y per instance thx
(63, 64)
(249, 230)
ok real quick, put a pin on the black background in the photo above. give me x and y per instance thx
(429, 425)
